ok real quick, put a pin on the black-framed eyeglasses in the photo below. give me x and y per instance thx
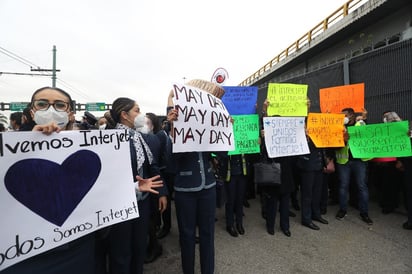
(43, 104)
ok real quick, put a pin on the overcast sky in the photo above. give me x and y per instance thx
(138, 48)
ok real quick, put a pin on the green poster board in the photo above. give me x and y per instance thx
(246, 132)
(380, 140)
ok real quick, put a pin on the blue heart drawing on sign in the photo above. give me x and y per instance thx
(50, 190)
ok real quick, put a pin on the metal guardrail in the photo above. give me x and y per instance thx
(332, 19)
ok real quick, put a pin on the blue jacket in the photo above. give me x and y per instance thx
(194, 171)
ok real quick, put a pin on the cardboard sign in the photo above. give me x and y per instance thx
(334, 99)
(287, 99)
(380, 140)
(56, 183)
(285, 136)
(203, 124)
(326, 129)
(246, 130)
(240, 100)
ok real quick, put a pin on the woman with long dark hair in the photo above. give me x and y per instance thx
(127, 240)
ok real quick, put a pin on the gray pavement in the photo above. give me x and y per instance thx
(347, 246)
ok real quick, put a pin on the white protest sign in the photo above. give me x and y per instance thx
(64, 186)
(285, 136)
(203, 121)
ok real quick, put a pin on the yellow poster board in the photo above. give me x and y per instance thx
(287, 99)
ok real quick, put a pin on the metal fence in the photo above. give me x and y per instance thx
(386, 72)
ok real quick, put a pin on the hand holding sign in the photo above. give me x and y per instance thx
(204, 123)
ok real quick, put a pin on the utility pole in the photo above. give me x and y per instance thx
(54, 67)
(54, 70)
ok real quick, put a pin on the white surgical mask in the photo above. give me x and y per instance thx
(345, 120)
(139, 121)
(102, 126)
(43, 117)
(144, 129)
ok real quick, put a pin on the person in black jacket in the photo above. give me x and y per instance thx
(275, 196)
(127, 240)
(311, 166)
(149, 131)
(78, 255)
(235, 173)
(195, 196)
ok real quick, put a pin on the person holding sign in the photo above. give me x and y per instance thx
(51, 109)
(387, 174)
(127, 240)
(277, 196)
(347, 166)
(311, 166)
(407, 166)
(235, 169)
(195, 194)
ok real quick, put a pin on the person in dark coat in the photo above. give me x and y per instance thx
(78, 255)
(235, 173)
(311, 167)
(127, 240)
(149, 133)
(195, 196)
(275, 196)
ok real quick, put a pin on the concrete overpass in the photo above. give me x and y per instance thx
(362, 41)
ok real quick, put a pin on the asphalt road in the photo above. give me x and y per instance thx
(347, 246)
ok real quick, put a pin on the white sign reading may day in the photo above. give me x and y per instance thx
(285, 136)
(64, 185)
(203, 123)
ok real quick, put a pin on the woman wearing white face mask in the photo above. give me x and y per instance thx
(51, 110)
(127, 240)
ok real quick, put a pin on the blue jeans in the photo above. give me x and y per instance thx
(357, 168)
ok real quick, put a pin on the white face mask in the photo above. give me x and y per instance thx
(345, 120)
(145, 129)
(43, 117)
(102, 126)
(139, 121)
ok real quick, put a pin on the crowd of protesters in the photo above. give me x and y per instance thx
(309, 183)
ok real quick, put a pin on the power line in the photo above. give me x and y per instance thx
(42, 72)
(21, 73)
(74, 89)
(17, 58)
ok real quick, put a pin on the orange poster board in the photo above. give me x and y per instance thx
(326, 129)
(334, 99)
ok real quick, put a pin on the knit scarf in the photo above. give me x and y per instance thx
(139, 144)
